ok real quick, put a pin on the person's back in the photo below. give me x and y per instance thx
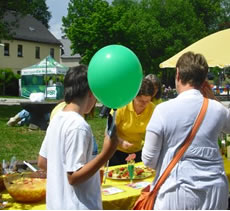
(68, 149)
(64, 195)
(200, 174)
(198, 180)
(57, 108)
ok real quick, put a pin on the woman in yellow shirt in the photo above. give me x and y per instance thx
(131, 122)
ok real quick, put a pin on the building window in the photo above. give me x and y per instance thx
(52, 52)
(37, 52)
(6, 49)
(20, 51)
(62, 51)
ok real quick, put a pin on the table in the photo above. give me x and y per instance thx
(38, 112)
(126, 199)
(122, 201)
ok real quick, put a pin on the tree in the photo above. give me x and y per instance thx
(39, 10)
(154, 29)
(224, 19)
(19, 8)
(213, 13)
(7, 80)
(88, 25)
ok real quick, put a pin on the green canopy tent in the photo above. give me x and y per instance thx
(34, 78)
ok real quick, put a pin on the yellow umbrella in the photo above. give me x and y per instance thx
(215, 48)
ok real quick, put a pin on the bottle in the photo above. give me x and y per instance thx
(223, 148)
(228, 146)
(222, 144)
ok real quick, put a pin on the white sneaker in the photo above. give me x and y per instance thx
(12, 121)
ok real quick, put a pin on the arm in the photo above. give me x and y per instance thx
(90, 168)
(42, 160)
(151, 149)
(121, 142)
(42, 163)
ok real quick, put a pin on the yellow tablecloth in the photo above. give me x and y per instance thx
(126, 199)
(227, 169)
(123, 200)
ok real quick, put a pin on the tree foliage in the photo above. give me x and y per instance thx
(8, 79)
(154, 29)
(88, 26)
(39, 10)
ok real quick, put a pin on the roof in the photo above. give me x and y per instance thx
(67, 50)
(30, 29)
(47, 66)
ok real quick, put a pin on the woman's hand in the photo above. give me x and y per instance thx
(124, 144)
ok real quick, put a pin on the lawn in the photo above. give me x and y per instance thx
(25, 144)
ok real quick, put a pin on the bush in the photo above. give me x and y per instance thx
(8, 82)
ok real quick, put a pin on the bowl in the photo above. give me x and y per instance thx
(27, 186)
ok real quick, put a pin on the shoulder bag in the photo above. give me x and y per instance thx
(147, 199)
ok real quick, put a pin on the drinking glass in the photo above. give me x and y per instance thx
(131, 171)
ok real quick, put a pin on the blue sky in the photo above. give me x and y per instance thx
(58, 9)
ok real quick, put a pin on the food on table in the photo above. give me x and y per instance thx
(3, 204)
(140, 172)
(26, 188)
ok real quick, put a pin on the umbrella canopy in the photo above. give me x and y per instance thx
(48, 66)
(215, 48)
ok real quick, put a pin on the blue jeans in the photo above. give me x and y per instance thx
(24, 115)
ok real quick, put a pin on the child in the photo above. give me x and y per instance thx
(73, 180)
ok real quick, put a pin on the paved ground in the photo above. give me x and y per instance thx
(15, 101)
(12, 101)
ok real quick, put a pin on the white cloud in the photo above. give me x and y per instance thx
(58, 9)
(55, 29)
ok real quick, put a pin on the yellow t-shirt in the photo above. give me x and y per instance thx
(131, 127)
(156, 101)
(57, 108)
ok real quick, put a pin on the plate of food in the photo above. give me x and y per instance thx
(122, 173)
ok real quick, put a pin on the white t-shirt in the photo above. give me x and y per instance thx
(68, 145)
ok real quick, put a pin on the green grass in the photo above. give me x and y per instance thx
(25, 144)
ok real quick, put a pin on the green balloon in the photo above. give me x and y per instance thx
(115, 75)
